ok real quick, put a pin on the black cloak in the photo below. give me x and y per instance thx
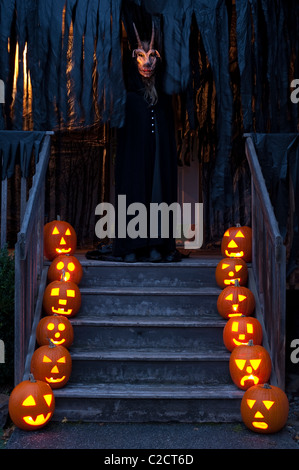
(146, 162)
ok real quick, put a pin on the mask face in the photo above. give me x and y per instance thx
(145, 55)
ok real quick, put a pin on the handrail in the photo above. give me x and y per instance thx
(29, 264)
(268, 264)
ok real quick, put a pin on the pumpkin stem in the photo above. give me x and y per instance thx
(31, 378)
(237, 284)
(267, 386)
(58, 217)
(250, 342)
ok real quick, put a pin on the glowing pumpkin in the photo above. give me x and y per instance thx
(235, 301)
(31, 404)
(63, 298)
(264, 408)
(230, 270)
(67, 266)
(59, 238)
(52, 364)
(249, 365)
(241, 330)
(237, 243)
(57, 328)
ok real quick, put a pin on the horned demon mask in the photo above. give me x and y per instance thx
(145, 54)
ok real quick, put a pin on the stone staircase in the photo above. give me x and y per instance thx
(148, 346)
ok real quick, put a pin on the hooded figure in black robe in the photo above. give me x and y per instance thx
(146, 160)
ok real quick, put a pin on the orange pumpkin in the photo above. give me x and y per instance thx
(59, 238)
(235, 301)
(241, 330)
(237, 243)
(230, 270)
(67, 266)
(52, 364)
(31, 404)
(63, 298)
(264, 408)
(249, 365)
(57, 328)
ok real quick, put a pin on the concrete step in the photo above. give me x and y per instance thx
(150, 301)
(190, 272)
(137, 403)
(150, 366)
(162, 333)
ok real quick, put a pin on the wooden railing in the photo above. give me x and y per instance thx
(268, 265)
(29, 266)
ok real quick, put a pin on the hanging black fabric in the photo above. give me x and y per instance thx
(17, 147)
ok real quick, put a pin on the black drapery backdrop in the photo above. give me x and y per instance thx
(228, 65)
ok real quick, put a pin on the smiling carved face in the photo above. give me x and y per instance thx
(57, 328)
(59, 238)
(230, 270)
(63, 298)
(52, 364)
(31, 404)
(237, 243)
(239, 331)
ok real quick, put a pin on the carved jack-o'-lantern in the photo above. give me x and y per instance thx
(237, 243)
(57, 328)
(249, 365)
(235, 301)
(63, 298)
(241, 330)
(59, 238)
(230, 270)
(264, 408)
(31, 404)
(52, 364)
(66, 266)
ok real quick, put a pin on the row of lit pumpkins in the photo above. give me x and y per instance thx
(32, 402)
(264, 407)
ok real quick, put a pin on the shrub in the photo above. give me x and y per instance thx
(7, 283)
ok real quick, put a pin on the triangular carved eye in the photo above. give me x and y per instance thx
(242, 297)
(29, 401)
(255, 363)
(240, 234)
(238, 267)
(226, 234)
(240, 363)
(268, 404)
(48, 399)
(46, 359)
(229, 297)
(68, 232)
(62, 360)
(55, 231)
(250, 403)
(224, 266)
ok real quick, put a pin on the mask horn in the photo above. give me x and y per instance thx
(139, 45)
(153, 37)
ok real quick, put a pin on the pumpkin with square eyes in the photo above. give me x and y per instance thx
(230, 270)
(63, 298)
(52, 364)
(59, 238)
(264, 408)
(237, 243)
(249, 365)
(241, 330)
(67, 267)
(31, 404)
(57, 328)
(235, 301)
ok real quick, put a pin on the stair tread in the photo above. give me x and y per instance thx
(142, 321)
(151, 391)
(169, 291)
(148, 355)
